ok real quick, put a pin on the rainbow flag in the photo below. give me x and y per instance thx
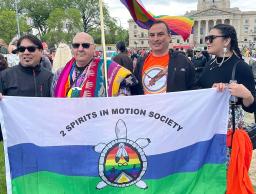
(178, 25)
(116, 145)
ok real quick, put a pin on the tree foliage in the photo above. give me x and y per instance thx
(7, 4)
(59, 20)
(38, 11)
(63, 25)
(8, 27)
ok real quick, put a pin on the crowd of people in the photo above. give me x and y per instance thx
(158, 70)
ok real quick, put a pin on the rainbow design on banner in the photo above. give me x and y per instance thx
(178, 25)
(122, 161)
(123, 171)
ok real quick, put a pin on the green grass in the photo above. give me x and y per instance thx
(2, 170)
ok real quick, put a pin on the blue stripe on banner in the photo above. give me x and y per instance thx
(83, 160)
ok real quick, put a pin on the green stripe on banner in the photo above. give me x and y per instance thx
(210, 179)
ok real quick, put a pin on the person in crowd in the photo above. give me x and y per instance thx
(182, 50)
(222, 42)
(198, 61)
(206, 54)
(161, 70)
(12, 57)
(62, 56)
(13, 45)
(52, 53)
(229, 71)
(134, 57)
(46, 63)
(45, 48)
(28, 78)
(3, 47)
(190, 54)
(3, 63)
(83, 75)
(122, 58)
(252, 64)
(247, 52)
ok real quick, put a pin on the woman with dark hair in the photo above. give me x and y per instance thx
(222, 42)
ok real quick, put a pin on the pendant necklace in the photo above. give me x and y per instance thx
(218, 64)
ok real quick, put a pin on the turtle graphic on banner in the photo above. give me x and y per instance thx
(122, 161)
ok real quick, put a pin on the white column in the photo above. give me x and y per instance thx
(198, 32)
(214, 22)
(223, 21)
(207, 27)
(230, 22)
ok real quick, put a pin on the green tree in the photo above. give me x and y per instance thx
(8, 27)
(113, 32)
(49, 16)
(38, 11)
(90, 12)
(63, 25)
(7, 4)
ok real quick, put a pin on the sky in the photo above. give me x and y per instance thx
(167, 7)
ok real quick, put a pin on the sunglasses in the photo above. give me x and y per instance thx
(210, 38)
(30, 49)
(84, 45)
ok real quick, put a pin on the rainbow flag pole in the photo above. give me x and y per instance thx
(103, 45)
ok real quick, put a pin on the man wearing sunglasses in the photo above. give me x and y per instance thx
(83, 75)
(28, 78)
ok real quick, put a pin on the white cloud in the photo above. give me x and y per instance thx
(168, 7)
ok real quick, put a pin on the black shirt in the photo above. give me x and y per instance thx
(214, 73)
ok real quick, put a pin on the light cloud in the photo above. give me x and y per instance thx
(168, 7)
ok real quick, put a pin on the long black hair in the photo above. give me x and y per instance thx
(121, 46)
(229, 31)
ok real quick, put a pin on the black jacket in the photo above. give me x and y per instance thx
(213, 73)
(199, 63)
(123, 60)
(26, 81)
(181, 74)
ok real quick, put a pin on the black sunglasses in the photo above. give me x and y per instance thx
(210, 38)
(30, 49)
(84, 45)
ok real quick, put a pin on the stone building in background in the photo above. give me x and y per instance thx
(208, 13)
